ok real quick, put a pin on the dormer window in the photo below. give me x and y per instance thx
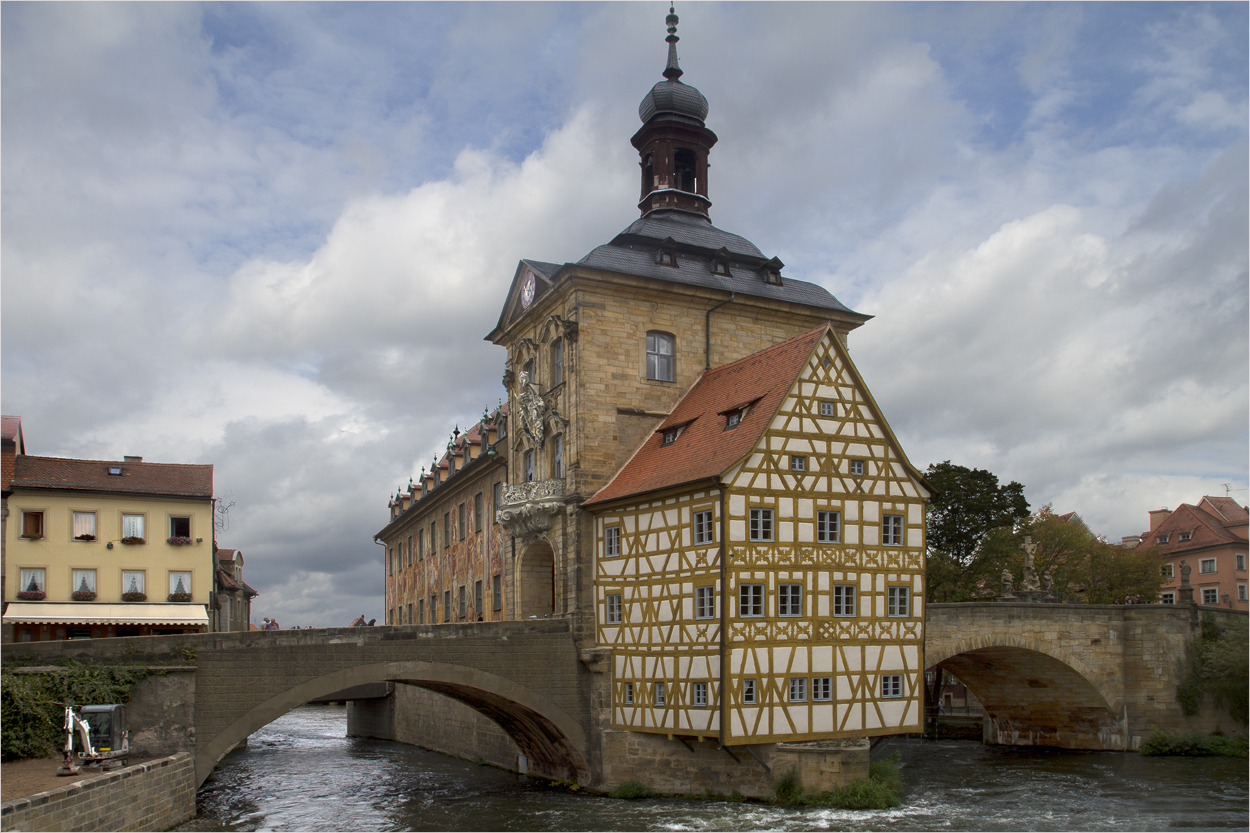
(1186, 536)
(772, 271)
(720, 267)
(670, 436)
(1161, 539)
(733, 418)
(666, 257)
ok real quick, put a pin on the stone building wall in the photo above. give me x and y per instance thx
(156, 795)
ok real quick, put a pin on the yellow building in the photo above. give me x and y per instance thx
(97, 548)
(812, 626)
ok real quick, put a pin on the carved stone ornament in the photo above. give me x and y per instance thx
(1007, 588)
(1029, 583)
(533, 409)
(527, 509)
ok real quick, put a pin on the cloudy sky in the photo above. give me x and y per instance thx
(271, 237)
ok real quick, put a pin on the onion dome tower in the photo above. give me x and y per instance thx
(673, 141)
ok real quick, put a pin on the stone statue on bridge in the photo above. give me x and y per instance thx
(1029, 583)
(1007, 588)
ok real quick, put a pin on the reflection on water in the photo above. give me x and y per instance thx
(301, 773)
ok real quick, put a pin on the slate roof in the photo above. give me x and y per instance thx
(172, 479)
(695, 241)
(704, 448)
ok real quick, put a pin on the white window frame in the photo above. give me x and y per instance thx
(699, 698)
(1241, 561)
(612, 609)
(173, 582)
(1214, 595)
(828, 526)
(750, 693)
(528, 465)
(84, 523)
(844, 600)
(38, 574)
(750, 601)
(857, 468)
(557, 455)
(77, 577)
(798, 462)
(798, 690)
(1167, 598)
(892, 530)
(1202, 566)
(789, 599)
(898, 600)
(1241, 592)
(703, 529)
(659, 695)
(705, 602)
(129, 575)
(891, 685)
(661, 359)
(611, 541)
(173, 518)
(132, 521)
(1167, 571)
(761, 527)
(827, 409)
(629, 694)
(822, 689)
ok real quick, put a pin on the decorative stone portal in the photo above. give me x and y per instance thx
(536, 580)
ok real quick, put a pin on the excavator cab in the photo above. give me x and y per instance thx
(107, 725)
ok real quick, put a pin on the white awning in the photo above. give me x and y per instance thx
(27, 613)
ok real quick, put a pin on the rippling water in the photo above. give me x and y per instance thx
(301, 773)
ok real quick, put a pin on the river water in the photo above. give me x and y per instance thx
(301, 773)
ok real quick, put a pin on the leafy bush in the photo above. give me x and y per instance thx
(788, 789)
(631, 789)
(879, 792)
(1219, 664)
(1193, 744)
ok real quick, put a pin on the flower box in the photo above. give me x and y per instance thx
(83, 595)
(84, 537)
(178, 541)
(180, 597)
(32, 595)
(134, 596)
(133, 539)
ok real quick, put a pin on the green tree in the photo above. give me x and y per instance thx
(1082, 565)
(969, 504)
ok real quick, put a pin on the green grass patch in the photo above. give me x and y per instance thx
(1162, 743)
(879, 792)
(631, 789)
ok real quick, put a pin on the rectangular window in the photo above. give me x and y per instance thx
(496, 592)
(750, 600)
(446, 530)
(629, 694)
(34, 581)
(748, 691)
(897, 601)
(1186, 536)
(828, 527)
(704, 602)
(1210, 596)
(32, 524)
(477, 599)
(420, 544)
(891, 685)
(798, 463)
(1206, 565)
(433, 608)
(732, 419)
(613, 614)
(670, 436)
(1167, 571)
(857, 468)
(700, 696)
(133, 582)
(660, 357)
(529, 466)
(497, 496)
(1241, 561)
(84, 526)
(410, 555)
(826, 409)
(761, 524)
(446, 605)
(557, 362)
(421, 612)
(790, 600)
(611, 541)
(557, 455)
(844, 600)
(822, 688)
(892, 530)
(1241, 592)
(179, 527)
(180, 586)
(400, 562)
(400, 620)
(462, 602)
(390, 561)
(83, 583)
(703, 527)
(132, 527)
(798, 689)
(477, 512)
(659, 695)
(1168, 599)
(461, 512)
(410, 621)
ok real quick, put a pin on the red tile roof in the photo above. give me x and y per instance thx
(10, 428)
(174, 479)
(1205, 529)
(704, 448)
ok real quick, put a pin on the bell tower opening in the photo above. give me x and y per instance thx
(648, 174)
(684, 178)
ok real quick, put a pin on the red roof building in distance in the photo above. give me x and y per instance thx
(1211, 538)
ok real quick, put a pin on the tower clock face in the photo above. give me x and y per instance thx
(527, 291)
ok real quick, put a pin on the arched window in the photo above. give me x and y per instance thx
(648, 175)
(683, 170)
(660, 356)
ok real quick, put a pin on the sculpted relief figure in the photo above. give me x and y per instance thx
(1029, 582)
(1008, 589)
(533, 409)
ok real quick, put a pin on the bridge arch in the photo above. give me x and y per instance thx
(548, 736)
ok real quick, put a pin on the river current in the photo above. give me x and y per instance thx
(301, 773)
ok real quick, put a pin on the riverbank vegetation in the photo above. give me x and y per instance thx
(1215, 745)
(32, 705)
(1218, 663)
(880, 792)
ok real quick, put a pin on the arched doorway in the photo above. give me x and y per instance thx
(535, 577)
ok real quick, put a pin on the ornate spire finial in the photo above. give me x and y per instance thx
(672, 72)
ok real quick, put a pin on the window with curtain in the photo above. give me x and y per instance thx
(84, 581)
(34, 579)
(84, 526)
(132, 526)
(179, 582)
(132, 581)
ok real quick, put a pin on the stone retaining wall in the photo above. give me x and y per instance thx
(156, 795)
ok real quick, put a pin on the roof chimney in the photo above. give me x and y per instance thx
(1158, 516)
(131, 459)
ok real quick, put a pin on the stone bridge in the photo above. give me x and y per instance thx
(1074, 676)
(525, 676)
